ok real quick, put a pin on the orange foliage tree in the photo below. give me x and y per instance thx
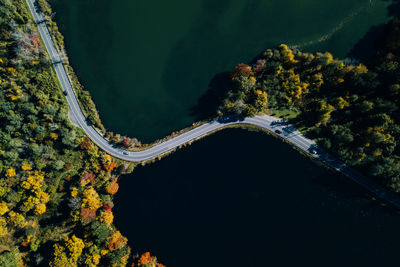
(113, 187)
(87, 215)
(117, 241)
(85, 144)
(241, 70)
(110, 166)
(146, 260)
(87, 177)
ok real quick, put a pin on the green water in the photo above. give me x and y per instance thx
(147, 63)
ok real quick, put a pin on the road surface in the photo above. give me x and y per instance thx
(266, 122)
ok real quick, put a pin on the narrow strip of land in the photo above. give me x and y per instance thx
(266, 122)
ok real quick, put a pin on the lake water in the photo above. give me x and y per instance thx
(146, 63)
(244, 199)
(236, 198)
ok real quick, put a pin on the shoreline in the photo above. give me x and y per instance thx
(264, 123)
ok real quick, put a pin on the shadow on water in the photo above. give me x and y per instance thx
(394, 8)
(342, 187)
(365, 49)
(209, 102)
(209, 48)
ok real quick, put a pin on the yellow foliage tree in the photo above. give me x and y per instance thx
(287, 54)
(91, 199)
(106, 158)
(117, 241)
(10, 172)
(54, 136)
(92, 260)
(3, 208)
(74, 192)
(360, 69)
(34, 181)
(40, 209)
(16, 219)
(26, 166)
(107, 217)
(42, 196)
(325, 109)
(262, 99)
(29, 203)
(67, 253)
(340, 103)
(3, 226)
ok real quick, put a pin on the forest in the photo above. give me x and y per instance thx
(351, 109)
(56, 186)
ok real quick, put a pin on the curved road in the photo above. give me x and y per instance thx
(269, 123)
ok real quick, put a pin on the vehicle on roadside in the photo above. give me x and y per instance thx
(36, 6)
(65, 93)
(125, 153)
(278, 132)
(313, 149)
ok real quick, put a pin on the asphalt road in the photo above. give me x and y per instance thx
(266, 122)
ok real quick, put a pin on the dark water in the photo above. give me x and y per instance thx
(146, 63)
(235, 198)
(244, 199)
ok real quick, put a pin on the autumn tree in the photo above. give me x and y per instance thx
(67, 252)
(113, 187)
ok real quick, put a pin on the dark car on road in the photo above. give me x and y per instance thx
(278, 132)
(280, 122)
(230, 118)
(313, 149)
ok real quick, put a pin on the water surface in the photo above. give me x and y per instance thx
(244, 199)
(146, 63)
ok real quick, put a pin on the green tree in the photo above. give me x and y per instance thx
(6, 11)
(101, 232)
(9, 258)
